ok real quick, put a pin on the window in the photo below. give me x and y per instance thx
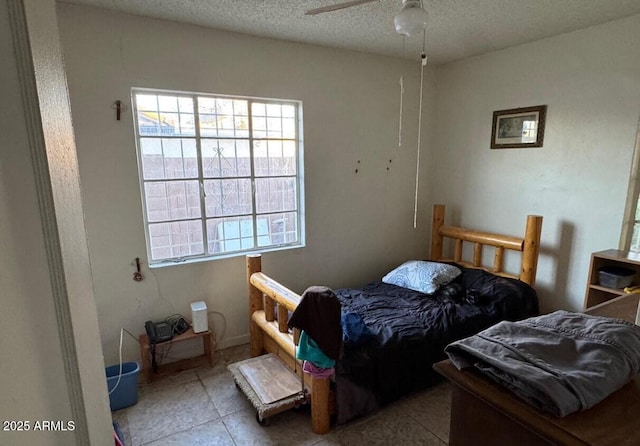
(219, 175)
(630, 237)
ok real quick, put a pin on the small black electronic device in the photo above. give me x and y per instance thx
(180, 326)
(158, 331)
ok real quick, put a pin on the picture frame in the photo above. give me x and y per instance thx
(518, 127)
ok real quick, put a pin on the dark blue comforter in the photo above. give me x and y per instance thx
(410, 330)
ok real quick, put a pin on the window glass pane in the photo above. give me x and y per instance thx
(153, 124)
(147, 102)
(172, 120)
(168, 103)
(260, 158)
(156, 201)
(190, 158)
(152, 158)
(274, 158)
(172, 200)
(180, 158)
(259, 127)
(208, 125)
(176, 239)
(288, 111)
(165, 115)
(228, 197)
(288, 128)
(274, 110)
(185, 105)
(275, 194)
(241, 108)
(635, 238)
(283, 228)
(206, 105)
(224, 106)
(274, 127)
(225, 158)
(223, 117)
(258, 109)
(289, 152)
(279, 164)
(187, 124)
(226, 125)
(236, 233)
(183, 198)
(241, 125)
(169, 158)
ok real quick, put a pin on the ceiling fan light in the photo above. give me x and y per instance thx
(411, 20)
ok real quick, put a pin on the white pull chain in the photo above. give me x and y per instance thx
(422, 65)
(400, 123)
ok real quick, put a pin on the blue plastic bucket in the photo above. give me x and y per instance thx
(126, 394)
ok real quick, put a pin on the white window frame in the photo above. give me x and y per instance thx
(630, 234)
(260, 242)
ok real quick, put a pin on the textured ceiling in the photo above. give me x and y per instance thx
(456, 29)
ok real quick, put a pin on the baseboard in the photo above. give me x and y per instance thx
(193, 347)
(232, 342)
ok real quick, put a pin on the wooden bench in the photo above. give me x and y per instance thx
(208, 344)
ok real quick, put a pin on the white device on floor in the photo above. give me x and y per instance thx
(199, 317)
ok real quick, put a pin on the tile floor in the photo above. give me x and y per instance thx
(202, 407)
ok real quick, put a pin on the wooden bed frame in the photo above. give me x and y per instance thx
(267, 297)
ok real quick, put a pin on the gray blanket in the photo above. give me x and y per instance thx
(560, 362)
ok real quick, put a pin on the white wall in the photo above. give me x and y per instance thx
(578, 180)
(51, 367)
(33, 382)
(358, 225)
(589, 79)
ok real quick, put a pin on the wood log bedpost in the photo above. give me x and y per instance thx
(254, 265)
(320, 418)
(531, 249)
(436, 237)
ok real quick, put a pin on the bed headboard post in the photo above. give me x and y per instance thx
(436, 237)
(531, 249)
(254, 265)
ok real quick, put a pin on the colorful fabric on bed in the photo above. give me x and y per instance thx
(411, 329)
(318, 314)
(308, 350)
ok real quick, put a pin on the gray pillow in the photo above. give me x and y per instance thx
(421, 275)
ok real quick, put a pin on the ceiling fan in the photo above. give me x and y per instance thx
(338, 6)
(412, 18)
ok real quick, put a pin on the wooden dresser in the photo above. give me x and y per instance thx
(486, 414)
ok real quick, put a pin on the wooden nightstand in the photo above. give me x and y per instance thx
(208, 344)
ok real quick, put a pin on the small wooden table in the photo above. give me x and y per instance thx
(484, 413)
(208, 344)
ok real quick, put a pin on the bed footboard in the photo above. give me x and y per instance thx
(270, 334)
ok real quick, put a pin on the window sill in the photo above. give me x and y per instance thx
(190, 260)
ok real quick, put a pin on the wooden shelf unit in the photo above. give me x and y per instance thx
(596, 294)
(208, 346)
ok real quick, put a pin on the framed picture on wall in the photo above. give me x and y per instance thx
(518, 127)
